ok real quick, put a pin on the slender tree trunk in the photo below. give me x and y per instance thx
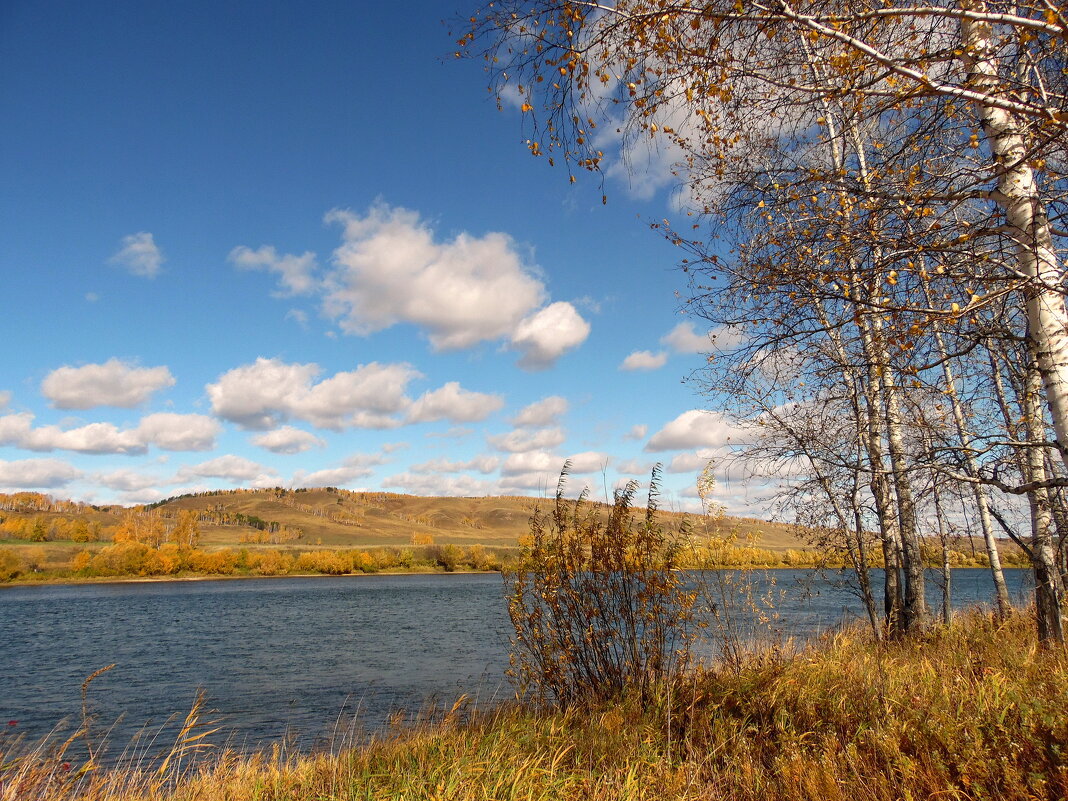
(1048, 590)
(947, 569)
(883, 497)
(1001, 590)
(1019, 196)
(915, 600)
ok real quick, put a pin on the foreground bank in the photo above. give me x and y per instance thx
(977, 710)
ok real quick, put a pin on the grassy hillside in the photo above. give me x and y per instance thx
(336, 518)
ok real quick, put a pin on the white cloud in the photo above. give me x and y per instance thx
(361, 398)
(532, 462)
(299, 316)
(18, 430)
(548, 334)
(288, 440)
(147, 495)
(261, 395)
(235, 469)
(356, 466)
(637, 432)
(179, 432)
(644, 360)
(37, 474)
(695, 429)
(296, 274)
(481, 464)
(684, 339)
(113, 383)
(439, 484)
(331, 477)
(588, 462)
(634, 467)
(5, 399)
(265, 394)
(139, 255)
(453, 403)
(127, 480)
(173, 432)
(390, 269)
(521, 441)
(688, 462)
(541, 413)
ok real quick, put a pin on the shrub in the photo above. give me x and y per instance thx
(10, 564)
(597, 605)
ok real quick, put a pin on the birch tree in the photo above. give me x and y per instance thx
(908, 157)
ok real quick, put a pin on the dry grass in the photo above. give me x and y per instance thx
(976, 711)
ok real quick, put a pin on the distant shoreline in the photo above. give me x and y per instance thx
(217, 577)
(19, 582)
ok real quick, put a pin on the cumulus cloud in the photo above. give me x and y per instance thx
(5, 399)
(127, 480)
(288, 440)
(644, 360)
(541, 413)
(391, 268)
(360, 398)
(113, 383)
(694, 429)
(532, 462)
(357, 466)
(139, 255)
(588, 462)
(296, 274)
(637, 432)
(172, 432)
(548, 334)
(684, 339)
(235, 469)
(440, 484)
(179, 432)
(634, 467)
(481, 464)
(453, 403)
(522, 441)
(263, 395)
(331, 477)
(37, 474)
(689, 462)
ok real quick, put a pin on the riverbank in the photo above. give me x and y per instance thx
(973, 711)
(60, 581)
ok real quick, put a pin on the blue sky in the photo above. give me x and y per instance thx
(249, 244)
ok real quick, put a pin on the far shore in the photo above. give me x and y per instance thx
(71, 580)
(75, 580)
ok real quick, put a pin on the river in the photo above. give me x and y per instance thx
(302, 658)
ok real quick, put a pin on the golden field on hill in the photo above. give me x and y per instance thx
(332, 518)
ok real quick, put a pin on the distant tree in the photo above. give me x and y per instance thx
(186, 532)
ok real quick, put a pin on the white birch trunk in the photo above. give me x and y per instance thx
(1020, 199)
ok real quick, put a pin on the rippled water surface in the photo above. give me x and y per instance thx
(293, 656)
